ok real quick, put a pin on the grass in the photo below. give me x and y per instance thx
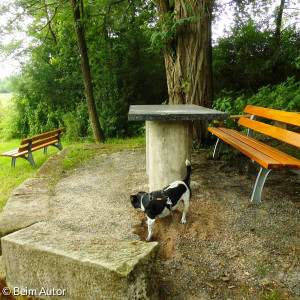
(12, 178)
(262, 268)
(273, 295)
(74, 158)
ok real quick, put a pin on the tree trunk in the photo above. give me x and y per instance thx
(85, 66)
(188, 56)
(278, 22)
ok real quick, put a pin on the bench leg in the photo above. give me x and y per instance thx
(217, 148)
(58, 146)
(259, 183)
(45, 150)
(29, 158)
(13, 162)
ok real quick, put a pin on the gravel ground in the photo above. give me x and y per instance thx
(95, 197)
(229, 248)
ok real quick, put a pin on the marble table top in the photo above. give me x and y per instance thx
(174, 112)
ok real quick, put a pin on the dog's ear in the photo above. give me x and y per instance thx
(132, 197)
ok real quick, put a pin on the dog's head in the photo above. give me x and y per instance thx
(136, 199)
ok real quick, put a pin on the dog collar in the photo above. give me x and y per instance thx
(149, 198)
(169, 201)
(164, 197)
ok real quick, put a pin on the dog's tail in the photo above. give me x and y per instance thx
(188, 172)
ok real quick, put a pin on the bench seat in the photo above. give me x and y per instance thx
(266, 156)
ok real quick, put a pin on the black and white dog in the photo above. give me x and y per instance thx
(159, 204)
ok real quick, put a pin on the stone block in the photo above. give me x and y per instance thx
(28, 204)
(47, 258)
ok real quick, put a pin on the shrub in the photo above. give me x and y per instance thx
(284, 96)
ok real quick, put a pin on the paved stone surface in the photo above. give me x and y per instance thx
(79, 234)
(28, 204)
(174, 112)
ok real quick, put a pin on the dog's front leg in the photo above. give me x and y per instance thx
(150, 223)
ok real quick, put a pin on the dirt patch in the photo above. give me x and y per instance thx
(229, 248)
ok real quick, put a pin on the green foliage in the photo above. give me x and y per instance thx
(169, 26)
(250, 58)
(125, 68)
(50, 91)
(284, 96)
(76, 123)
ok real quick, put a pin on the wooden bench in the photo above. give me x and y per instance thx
(29, 145)
(266, 156)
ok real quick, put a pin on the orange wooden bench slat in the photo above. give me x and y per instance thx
(259, 157)
(288, 161)
(18, 154)
(35, 148)
(15, 153)
(292, 118)
(41, 142)
(286, 136)
(9, 153)
(41, 136)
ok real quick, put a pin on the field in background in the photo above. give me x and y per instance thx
(4, 99)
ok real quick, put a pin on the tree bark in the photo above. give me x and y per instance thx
(278, 21)
(85, 66)
(188, 57)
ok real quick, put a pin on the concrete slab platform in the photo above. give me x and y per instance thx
(28, 204)
(78, 266)
(78, 235)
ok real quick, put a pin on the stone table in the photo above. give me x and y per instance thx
(169, 138)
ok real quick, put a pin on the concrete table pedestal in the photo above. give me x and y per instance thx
(168, 146)
(169, 138)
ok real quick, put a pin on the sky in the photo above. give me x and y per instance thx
(9, 65)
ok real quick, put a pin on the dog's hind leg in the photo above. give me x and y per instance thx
(186, 205)
(150, 223)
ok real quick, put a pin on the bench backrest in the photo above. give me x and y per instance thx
(41, 139)
(284, 135)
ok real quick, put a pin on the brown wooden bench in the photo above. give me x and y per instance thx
(29, 145)
(266, 156)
